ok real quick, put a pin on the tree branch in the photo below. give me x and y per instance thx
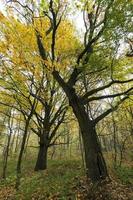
(107, 112)
(104, 87)
(107, 96)
(57, 126)
(88, 48)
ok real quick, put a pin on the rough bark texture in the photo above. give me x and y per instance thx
(95, 163)
(41, 163)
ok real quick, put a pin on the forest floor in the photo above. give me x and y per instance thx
(64, 180)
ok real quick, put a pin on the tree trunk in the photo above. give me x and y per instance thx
(41, 163)
(95, 163)
(6, 154)
(81, 149)
(19, 162)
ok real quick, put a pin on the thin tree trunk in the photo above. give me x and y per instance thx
(81, 149)
(27, 141)
(122, 150)
(115, 142)
(53, 152)
(17, 137)
(18, 170)
(12, 144)
(6, 154)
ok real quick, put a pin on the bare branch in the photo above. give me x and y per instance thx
(57, 126)
(127, 92)
(88, 48)
(107, 112)
(104, 87)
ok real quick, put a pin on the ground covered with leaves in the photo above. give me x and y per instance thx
(65, 180)
(106, 190)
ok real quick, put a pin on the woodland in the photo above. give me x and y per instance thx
(66, 100)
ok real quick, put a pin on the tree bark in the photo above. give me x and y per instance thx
(6, 155)
(95, 164)
(19, 162)
(41, 163)
(81, 149)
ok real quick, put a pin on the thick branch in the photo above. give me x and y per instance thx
(59, 79)
(41, 48)
(73, 77)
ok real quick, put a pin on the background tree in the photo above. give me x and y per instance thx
(35, 94)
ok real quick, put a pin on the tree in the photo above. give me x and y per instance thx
(6, 152)
(31, 92)
(95, 30)
(48, 118)
(105, 26)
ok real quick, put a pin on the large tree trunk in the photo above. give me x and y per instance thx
(94, 160)
(95, 163)
(41, 163)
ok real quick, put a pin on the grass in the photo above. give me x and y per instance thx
(125, 174)
(57, 182)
